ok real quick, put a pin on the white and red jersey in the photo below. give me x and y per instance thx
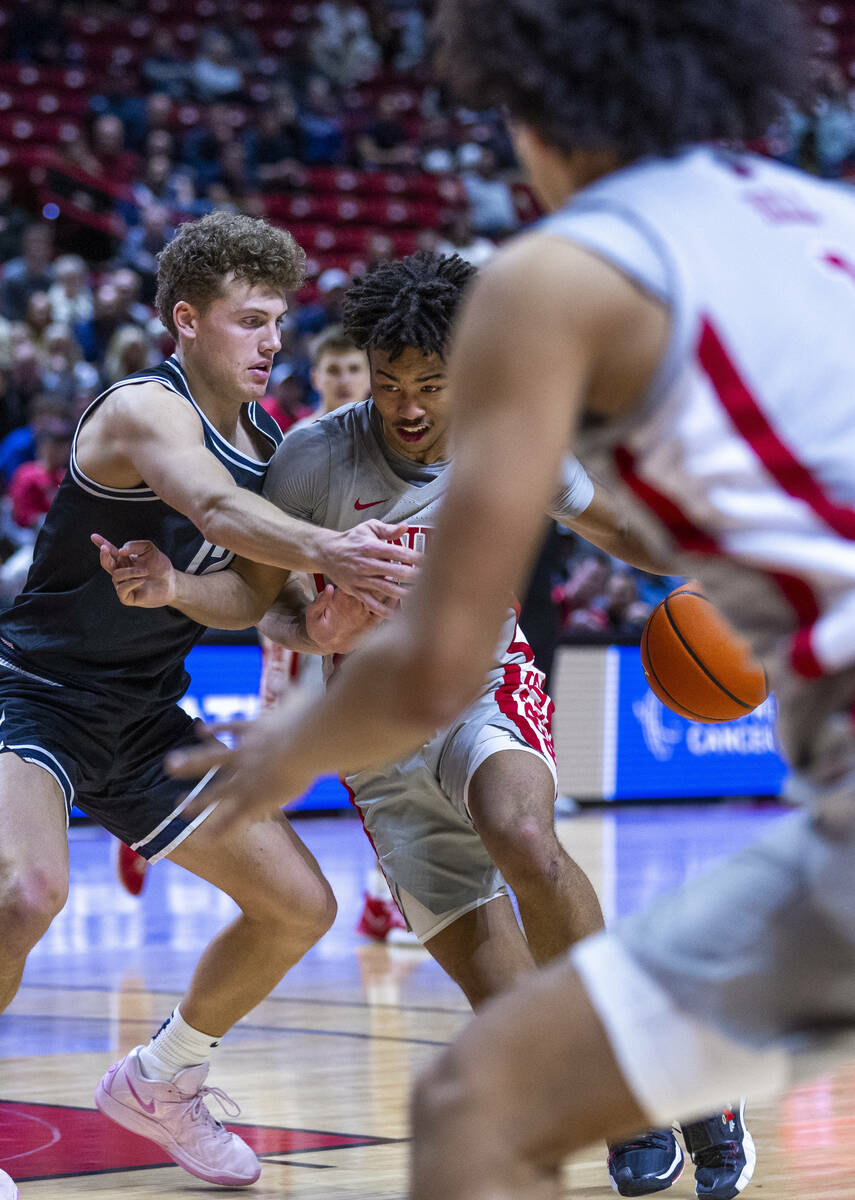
(743, 450)
(339, 471)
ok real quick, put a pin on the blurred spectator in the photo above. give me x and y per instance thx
(386, 142)
(312, 318)
(36, 319)
(286, 396)
(13, 221)
(33, 485)
(163, 68)
(128, 351)
(19, 446)
(94, 335)
(461, 240)
(491, 203)
(321, 129)
(114, 161)
(203, 145)
(341, 45)
(30, 273)
(63, 371)
(24, 381)
(238, 181)
(625, 610)
(580, 597)
(122, 98)
(214, 73)
(142, 244)
(128, 284)
(275, 146)
(70, 294)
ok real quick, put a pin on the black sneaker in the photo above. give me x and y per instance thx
(723, 1152)
(649, 1163)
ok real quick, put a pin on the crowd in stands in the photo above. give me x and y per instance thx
(121, 119)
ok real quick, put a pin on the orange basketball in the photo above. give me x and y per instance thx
(695, 663)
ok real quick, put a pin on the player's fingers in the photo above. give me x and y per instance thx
(102, 543)
(124, 574)
(386, 531)
(389, 552)
(388, 588)
(373, 603)
(138, 547)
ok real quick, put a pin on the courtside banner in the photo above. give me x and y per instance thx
(651, 752)
(224, 687)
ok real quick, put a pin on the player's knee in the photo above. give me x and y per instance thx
(523, 846)
(305, 913)
(30, 898)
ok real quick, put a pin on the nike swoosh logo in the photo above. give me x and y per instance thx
(146, 1107)
(371, 503)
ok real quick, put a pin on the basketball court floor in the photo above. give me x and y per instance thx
(323, 1068)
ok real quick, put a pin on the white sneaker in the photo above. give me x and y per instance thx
(174, 1115)
(8, 1191)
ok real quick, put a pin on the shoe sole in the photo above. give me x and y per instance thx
(137, 1122)
(659, 1184)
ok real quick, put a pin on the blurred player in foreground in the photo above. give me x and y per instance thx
(89, 691)
(689, 312)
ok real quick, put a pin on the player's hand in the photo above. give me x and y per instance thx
(142, 575)
(335, 621)
(254, 778)
(365, 563)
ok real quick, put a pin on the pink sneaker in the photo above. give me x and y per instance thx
(176, 1117)
(8, 1191)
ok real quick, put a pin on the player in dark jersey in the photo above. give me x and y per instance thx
(89, 688)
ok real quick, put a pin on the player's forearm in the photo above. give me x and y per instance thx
(222, 600)
(254, 529)
(619, 539)
(288, 629)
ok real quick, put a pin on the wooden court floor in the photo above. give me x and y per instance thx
(322, 1069)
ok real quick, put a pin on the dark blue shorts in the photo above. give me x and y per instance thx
(105, 751)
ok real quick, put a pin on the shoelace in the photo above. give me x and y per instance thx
(723, 1154)
(645, 1141)
(199, 1109)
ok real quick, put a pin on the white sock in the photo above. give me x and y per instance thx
(175, 1046)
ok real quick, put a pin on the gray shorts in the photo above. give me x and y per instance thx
(417, 816)
(763, 946)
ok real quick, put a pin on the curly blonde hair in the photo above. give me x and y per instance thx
(204, 254)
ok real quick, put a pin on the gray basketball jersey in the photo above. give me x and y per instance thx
(338, 472)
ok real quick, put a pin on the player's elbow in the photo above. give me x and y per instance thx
(213, 517)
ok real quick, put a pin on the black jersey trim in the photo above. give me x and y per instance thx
(256, 465)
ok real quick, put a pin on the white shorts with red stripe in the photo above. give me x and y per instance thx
(416, 812)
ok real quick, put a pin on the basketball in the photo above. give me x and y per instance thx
(696, 664)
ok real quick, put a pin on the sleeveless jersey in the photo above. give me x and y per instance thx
(743, 448)
(68, 622)
(336, 472)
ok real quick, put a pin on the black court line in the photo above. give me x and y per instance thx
(82, 987)
(364, 1037)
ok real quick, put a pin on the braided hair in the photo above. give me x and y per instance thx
(408, 302)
